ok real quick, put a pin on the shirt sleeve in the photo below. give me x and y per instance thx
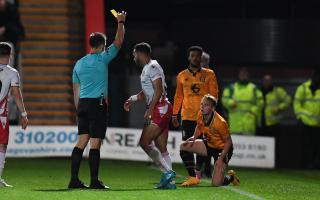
(213, 87)
(224, 129)
(15, 79)
(110, 53)
(178, 97)
(154, 73)
(75, 77)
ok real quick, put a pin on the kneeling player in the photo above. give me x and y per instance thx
(217, 144)
(158, 114)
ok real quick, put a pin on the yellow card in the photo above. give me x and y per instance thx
(114, 13)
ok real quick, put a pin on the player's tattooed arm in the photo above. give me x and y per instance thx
(76, 91)
(121, 18)
(19, 101)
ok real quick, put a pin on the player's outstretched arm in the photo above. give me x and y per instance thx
(19, 101)
(121, 19)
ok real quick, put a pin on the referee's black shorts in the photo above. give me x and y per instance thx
(92, 117)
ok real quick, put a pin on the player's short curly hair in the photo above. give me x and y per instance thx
(97, 39)
(143, 47)
(213, 101)
(5, 49)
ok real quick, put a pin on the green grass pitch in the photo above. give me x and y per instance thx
(48, 179)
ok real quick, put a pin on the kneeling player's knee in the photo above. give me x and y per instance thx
(216, 183)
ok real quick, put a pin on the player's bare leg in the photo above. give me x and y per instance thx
(161, 143)
(218, 175)
(3, 149)
(83, 141)
(76, 158)
(186, 152)
(219, 179)
(149, 134)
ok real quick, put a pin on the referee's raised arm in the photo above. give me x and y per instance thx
(121, 18)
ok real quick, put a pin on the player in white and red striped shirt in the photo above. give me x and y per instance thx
(9, 80)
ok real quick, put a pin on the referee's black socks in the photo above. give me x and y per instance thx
(94, 161)
(188, 161)
(76, 158)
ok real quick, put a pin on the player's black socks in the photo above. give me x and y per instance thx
(227, 179)
(76, 158)
(188, 161)
(94, 161)
(208, 167)
(199, 162)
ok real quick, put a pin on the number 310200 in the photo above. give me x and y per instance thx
(48, 137)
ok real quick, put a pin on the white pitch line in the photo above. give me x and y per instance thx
(232, 189)
(250, 195)
(237, 190)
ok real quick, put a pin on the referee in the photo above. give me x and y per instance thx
(90, 79)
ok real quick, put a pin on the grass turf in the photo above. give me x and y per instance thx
(48, 179)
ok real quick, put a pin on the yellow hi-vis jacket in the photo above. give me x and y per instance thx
(276, 101)
(307, 105)
(244, 104)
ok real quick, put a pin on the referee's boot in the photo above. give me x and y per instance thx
(96, 184)
(77, 184)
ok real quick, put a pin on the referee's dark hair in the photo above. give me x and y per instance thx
(5, 49)
(195, 48)
(97, 39)
(143, 47)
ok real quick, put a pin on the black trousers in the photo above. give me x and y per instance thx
(310, 137)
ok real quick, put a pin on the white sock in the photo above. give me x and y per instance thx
(167, 158)
(2, 160)
(155, 155)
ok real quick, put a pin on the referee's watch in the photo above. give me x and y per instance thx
(24, 114)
